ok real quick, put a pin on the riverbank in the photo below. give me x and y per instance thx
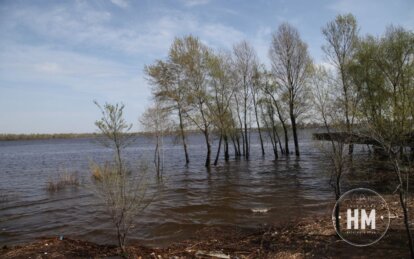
(46, 136)
(305, 239)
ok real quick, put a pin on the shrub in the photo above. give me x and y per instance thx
(62, 181)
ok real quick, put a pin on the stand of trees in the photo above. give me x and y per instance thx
(369, 92)
(229, 93)
(368, 89)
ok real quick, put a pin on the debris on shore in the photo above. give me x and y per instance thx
(306, 239)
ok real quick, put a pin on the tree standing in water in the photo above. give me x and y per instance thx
(291, 67)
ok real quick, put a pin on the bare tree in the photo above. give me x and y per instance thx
(124, 197)
(245, 62)
(341, 36)
(221, 91)
(291, 65)
(122, 190)
(114, 130)
(156, 121)
(327, 113)
(257, 91)
(271, 90)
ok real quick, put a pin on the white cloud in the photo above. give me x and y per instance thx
(71, 70)
(191, 3)
(120, 3)
(48, 67)
(219, 35)
(86, 27)
(84, 53)
(66, 82)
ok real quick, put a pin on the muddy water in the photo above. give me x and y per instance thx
(243, 193)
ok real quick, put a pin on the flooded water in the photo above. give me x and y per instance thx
(243, 193)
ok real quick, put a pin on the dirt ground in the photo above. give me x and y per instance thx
(305, 239)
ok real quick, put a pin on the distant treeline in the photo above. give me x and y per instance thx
(11, 137)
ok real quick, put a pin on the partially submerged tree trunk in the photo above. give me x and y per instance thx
(208, 156)
(182, 133)
(218, 150)
(295, 134)
(258, 125)
(226, 148)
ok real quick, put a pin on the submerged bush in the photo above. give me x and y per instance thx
(62, 181)
(96, 171)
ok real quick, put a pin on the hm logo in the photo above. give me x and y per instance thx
(365, 219)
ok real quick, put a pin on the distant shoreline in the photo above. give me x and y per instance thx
(45, 136)
(15, 137)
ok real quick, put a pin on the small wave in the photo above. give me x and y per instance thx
(260, 210)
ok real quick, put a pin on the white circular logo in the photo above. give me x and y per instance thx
(361, 217)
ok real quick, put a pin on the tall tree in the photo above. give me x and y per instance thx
(245, 62)
(384, 71)
(221, 91)
(326, 108)
(341, 36)
(271, 90)
(169, 89)
(191, 57)
(291, 66)
(257, 90)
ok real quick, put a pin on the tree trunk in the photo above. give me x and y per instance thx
(247, 138)
(157, 158)
(286, 138)
(406, 222)
(258, 128)
(345, 89)
(295, 135)
(218, 150)
(273, 133)
(280, 143)
(241, 130)
(245, 120)
(282, 121)
(226, 148)
(121, 243)
(238, 154)
(337, 196)
(187, 160)
(208, 158)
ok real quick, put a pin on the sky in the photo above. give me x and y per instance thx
(57, 57)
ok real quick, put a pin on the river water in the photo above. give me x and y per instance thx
(241, 193)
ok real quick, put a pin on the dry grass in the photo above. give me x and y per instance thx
(96, 172)
(63, 180)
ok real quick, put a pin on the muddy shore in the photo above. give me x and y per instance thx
(305, 239)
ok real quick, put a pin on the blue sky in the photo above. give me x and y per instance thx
(56, 57)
